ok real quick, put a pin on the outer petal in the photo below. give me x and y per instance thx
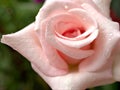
(104, 5)
(116, 65)
(109, 36)
(50, 52)
(83, 19)
(26, 42)
(45, 12)
(71, 52)
(62, 6)
(79, 80)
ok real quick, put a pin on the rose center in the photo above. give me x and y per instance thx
(72, 33)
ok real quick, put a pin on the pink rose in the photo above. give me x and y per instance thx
(72, 44)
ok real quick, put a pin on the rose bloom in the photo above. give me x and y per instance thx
(72, 45)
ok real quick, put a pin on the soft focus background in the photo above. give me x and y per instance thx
(15, 71)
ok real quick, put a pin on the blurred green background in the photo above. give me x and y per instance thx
(15, 71)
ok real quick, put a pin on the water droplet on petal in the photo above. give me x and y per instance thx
(66, 6)
(110, 34)
(109, 39)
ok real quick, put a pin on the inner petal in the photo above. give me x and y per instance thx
(66, 24)
(70, 29)
(84, 18)
(52, 33)
(73, 32)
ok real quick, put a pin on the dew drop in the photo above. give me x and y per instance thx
(110, 39)
(110, 34)
(66, 6)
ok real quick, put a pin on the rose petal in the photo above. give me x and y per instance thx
(77, 81)
(71, 52)
(80, 37)
(45, 11)
(109, 36)
(81, 19)
(116, 64)
(101, 5)
(80, 43)
(54, 58)
(26, 42)
(62, 6)
(104, 5)
(87, 22)
(84, 17)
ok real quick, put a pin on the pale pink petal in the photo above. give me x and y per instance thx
(62, 7)
(116, 64)
(105, 42)
(26, 42)
(71, 52)
(80, 37)
(51, 53)
(45, 12)
(79, 80)
(82, 17)
(80, 43)
(104, 5)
